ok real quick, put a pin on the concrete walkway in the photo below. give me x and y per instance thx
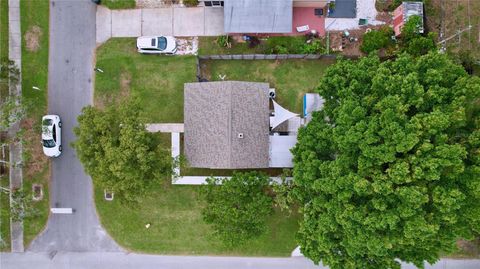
(174, 21)
(16, 149)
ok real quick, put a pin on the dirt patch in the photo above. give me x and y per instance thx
(32, 38)
(34, 159)
(108, 99)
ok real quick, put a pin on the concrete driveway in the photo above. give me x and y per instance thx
(175, 21)
(70, 88)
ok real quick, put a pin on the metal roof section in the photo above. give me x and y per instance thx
(258, 16)
(413, 9)
(279, 150)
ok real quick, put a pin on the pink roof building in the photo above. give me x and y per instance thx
(403, 12)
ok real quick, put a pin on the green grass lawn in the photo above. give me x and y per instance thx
(3, 42)
(4, 182)
(156, 80)
(34, 24)
(174, 213)
(3, 29)
(119, 4)
(290, 78)
(4, 217)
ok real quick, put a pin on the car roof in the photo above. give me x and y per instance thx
(146, 42)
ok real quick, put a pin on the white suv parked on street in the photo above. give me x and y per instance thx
(52, 135)
(157, 44)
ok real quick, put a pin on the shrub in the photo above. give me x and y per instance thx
(224, 41)
(279, 49)
(190, 3)
(238, 207)
(376, 39)
(253, 42)
(293, 45)
(314, 47)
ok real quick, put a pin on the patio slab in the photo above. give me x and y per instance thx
(157, 21)
(189, 21)
(214, 22)
(306, 16)
(127, 23)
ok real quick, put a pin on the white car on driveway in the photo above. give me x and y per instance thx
(157, 44)
(52, 135)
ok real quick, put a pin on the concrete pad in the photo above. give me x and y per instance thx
(165, 128)
(157, 21)
(189, 21)
(127, 23)
(14, 3)
(14, 26)
(104, 24)
(214, 22)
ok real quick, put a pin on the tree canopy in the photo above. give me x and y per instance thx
(238, 207)
(390, 168)
(117, 151)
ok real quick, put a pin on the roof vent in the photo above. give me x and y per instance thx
(240, 135)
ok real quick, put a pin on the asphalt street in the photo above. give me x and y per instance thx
(119, 260)
(70, 88)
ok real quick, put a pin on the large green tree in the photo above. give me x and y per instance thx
(238, 207)
(117, 151)
(390, 168)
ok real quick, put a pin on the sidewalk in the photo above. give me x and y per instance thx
(174, 21)
(16, 174)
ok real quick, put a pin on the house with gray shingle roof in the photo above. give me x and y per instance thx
(238, 125)
(226, 124)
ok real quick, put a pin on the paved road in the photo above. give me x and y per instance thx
(119, 260)
(70, 87)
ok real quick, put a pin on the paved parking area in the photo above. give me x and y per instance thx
(176, 21)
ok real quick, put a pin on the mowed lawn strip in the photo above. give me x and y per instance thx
(156, 80)
(177, 227)
(290, 78)
(34, 28)
(4, 182)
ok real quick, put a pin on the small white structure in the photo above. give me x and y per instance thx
(311, 102)
(59, 210)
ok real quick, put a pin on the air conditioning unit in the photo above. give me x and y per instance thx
(271, 93)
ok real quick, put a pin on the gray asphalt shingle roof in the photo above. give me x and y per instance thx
(258, 16)
(215, 113)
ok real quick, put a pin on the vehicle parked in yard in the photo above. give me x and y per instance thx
(52, 135)
(157, 44)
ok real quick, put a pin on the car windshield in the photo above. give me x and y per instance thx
(48, 143)
(47, 122)
(162, 43)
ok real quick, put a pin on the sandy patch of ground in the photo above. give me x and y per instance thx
(35, 160)
(32, 38)
(108, 99)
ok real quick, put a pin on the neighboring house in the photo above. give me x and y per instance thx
(403, 12)
(268, 16)
(229, 125)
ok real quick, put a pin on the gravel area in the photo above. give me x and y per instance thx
(365, 10)
(187, 45)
